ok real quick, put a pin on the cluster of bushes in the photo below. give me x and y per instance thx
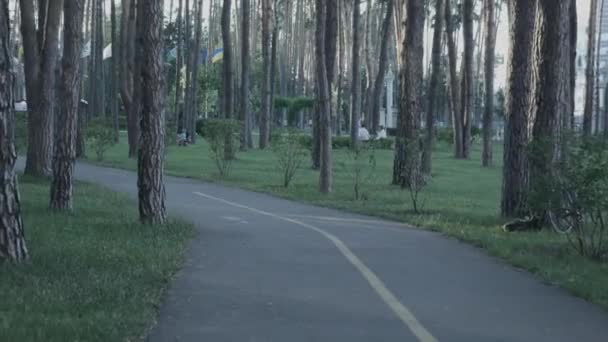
(344, 143)
(223, 136)
(294, 105)
(100, 136)
(446, 135)
(575, 194)
(290, 153)
(200, 127)
(360, 164)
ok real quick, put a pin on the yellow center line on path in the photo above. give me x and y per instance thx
(400, 310)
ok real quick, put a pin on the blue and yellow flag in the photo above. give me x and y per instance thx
(217, 55)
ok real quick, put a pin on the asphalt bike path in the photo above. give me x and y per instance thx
(264, 269)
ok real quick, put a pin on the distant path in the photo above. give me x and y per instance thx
(266, 269)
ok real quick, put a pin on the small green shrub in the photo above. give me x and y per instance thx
(294, 105)
(306, 141)
(340, 142)
(289, 151)
(122, 121)
(360, 165)
(100, 136)
(383, 144)
(200, 126)
(223, 138)
(476, 132)
(413, 178)
(575, 195)
(445, 135)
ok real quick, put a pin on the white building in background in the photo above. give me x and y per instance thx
(388, 118)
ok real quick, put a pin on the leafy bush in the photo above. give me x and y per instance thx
(340, 142)
(200, 127)
(445, 135)
(413, 178)
(223, 138)
(383, 144)
(575, 197)
(293, 105)
(122, 121)
(290, 152)
(343, 142)
(475, 132)
(360, 164)
(306, 141)
(100, 136)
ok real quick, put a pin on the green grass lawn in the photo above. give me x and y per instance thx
(94, 275)
(462, 201)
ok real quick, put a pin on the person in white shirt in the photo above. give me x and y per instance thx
(363, 133)
(381, 133)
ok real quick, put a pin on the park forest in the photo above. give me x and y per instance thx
(273, 95)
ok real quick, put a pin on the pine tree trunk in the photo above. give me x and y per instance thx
(91, 108)
(382, 66)
(129, 98)
(82, 110)
(356, 76)
(85, 70)
(65, 148)
(468, 89)
(12, 242)
(80, 131)
(331, 52)
(399, 24)
(194, 84)
(91, 59)
(150, 164)
(598, 113)
(453, 81)
(341, 71)
(369, 69)
(410, 99)
(274, 64)
(188, 61)
(551, 83)
(325, 177)
(301, 57)
(590, 71)
(99, 96)
(245, 56)
(114, 73)
(488, 113)
(40, 51)
(569, 121)
(522, 14)
(266, 82)
(606, 112)
(179, 115)
(227, 79)
(433, 86)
